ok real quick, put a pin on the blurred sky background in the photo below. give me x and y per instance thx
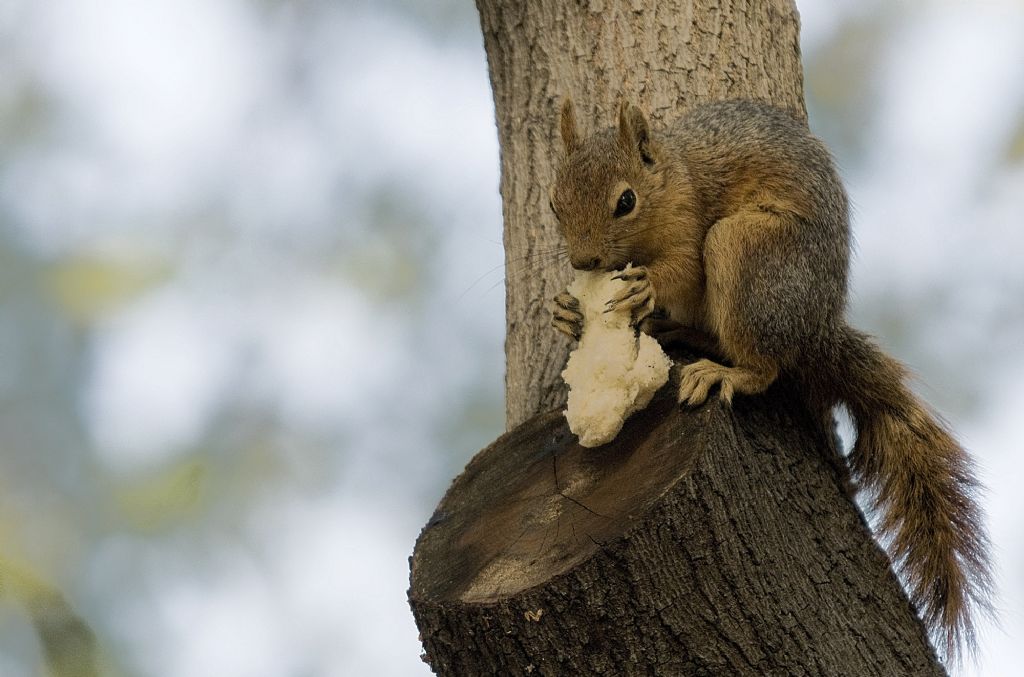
(251, 303)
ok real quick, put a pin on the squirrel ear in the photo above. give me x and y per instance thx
(634, 133)
(570, 133)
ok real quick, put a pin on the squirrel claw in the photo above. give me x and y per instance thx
(697, 380)
(638, 298)
(633, 291)
(566, 317)
(632, 275)
(566, 328)
(567, 301)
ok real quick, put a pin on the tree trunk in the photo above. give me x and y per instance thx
(703, 542)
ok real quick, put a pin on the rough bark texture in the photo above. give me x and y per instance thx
(636, 558)
(665, 56)
(708, 542)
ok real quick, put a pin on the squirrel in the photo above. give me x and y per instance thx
(737, 225)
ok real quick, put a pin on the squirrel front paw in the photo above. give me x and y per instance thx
(638, 297)
(566, 316)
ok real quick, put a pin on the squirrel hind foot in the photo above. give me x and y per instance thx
(697, 379)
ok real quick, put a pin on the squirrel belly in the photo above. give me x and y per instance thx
(737, 222)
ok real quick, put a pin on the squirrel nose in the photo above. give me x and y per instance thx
(586, 263)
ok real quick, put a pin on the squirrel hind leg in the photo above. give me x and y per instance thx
(698, 378)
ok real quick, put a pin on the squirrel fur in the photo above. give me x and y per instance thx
(737, 225)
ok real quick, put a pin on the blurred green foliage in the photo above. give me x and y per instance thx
(107, 556)
(87, 287)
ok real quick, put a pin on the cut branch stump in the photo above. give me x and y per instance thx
(715, 541)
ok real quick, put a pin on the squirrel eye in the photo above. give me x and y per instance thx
(626, 203)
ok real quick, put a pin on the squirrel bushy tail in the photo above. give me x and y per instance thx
(921, 486)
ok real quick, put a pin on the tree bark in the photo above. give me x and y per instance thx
(641, 558)
(709, 542)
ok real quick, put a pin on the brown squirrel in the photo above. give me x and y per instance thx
(737, 223)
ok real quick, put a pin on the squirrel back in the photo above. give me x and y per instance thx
(736, 223)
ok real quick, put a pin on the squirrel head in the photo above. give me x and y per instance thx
(606, 191)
